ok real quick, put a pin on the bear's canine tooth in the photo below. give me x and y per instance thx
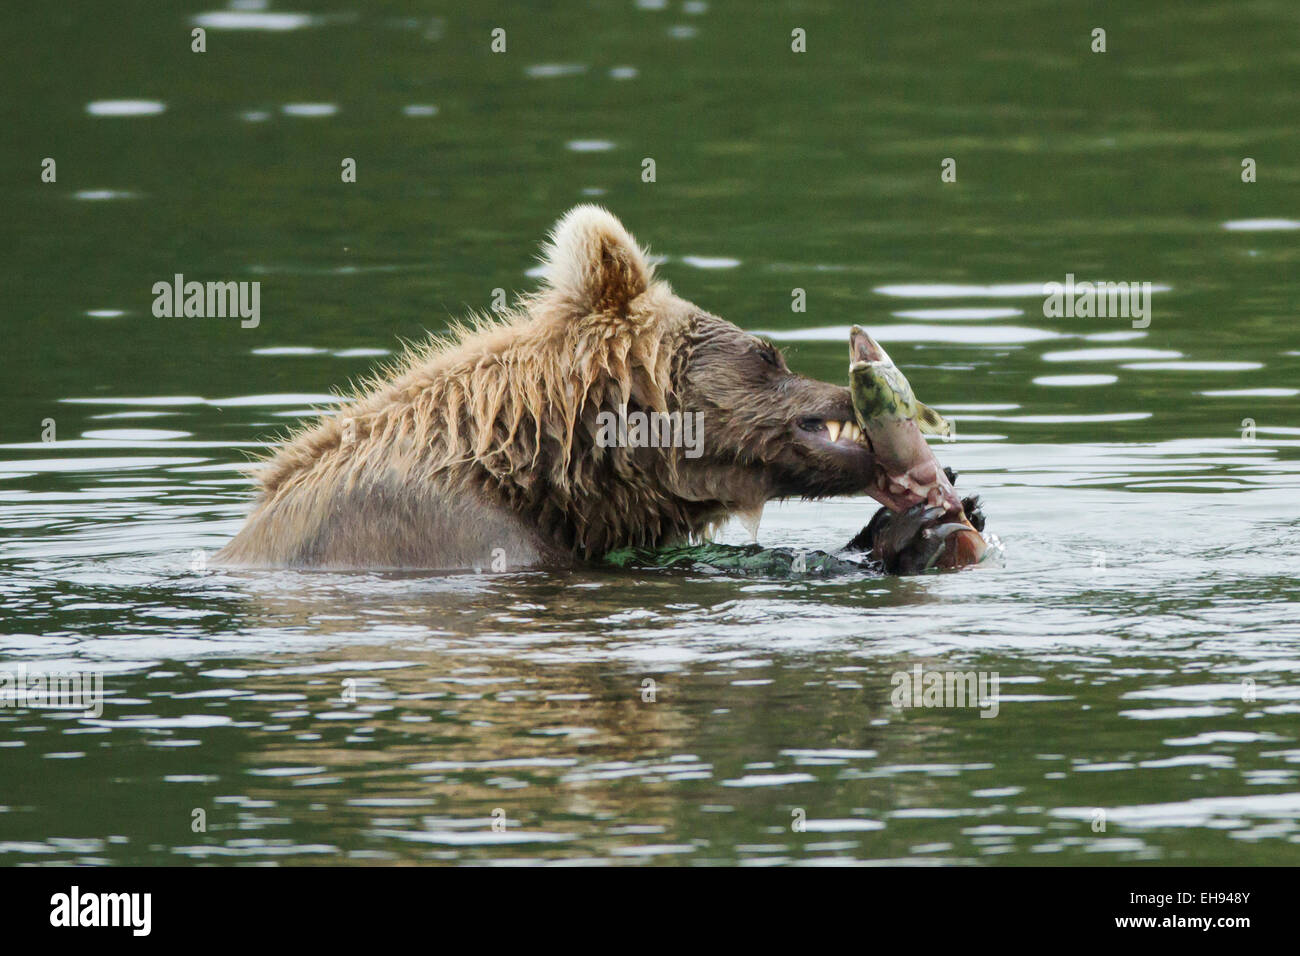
(833, 429)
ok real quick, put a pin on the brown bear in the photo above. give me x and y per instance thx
(530, 439)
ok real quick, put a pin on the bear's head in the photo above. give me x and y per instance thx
(751, 430)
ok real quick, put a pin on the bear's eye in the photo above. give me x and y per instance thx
(770, 355)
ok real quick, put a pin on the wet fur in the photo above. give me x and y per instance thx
(481, 444)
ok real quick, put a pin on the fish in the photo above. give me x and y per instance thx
(894, 424)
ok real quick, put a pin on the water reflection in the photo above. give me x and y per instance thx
(125, 108)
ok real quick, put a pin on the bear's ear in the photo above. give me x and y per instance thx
(593, 263)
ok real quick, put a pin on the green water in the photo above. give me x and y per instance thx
(1145, 621)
